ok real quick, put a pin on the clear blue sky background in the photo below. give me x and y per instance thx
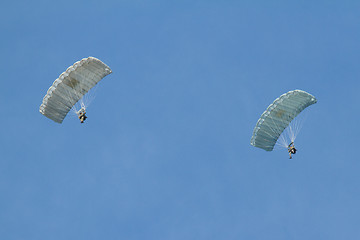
(165, 152)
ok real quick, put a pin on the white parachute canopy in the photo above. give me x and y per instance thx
(71, 86)
(278, 116)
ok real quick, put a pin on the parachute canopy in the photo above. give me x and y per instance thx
(71, 86)
(278, 116)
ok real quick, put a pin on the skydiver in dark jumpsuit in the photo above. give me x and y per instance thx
(82, 115)
(291, 149)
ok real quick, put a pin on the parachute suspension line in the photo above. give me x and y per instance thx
(281, 142)
(87, 99)
(77, 94)
(270, 134)
(277, 131)
(72, 92)
(289, 131)
(287, 136)
(284, 135)
(295, 126)
(293, 129)
(300, 122)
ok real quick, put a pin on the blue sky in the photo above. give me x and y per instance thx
(165, 152)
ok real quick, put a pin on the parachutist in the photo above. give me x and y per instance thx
(82, 115)
(291, 149)
(277, 117)
(70, 88)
